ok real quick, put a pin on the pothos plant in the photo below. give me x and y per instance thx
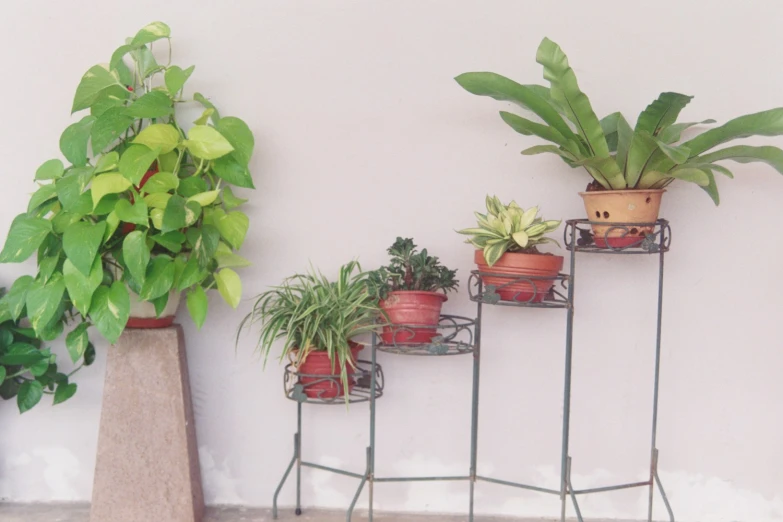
(143, 205)
(411, 269)
(649, 155)
(27, 369)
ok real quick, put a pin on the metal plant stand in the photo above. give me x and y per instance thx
(460, 335)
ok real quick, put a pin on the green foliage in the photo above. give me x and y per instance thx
(614, 154)
(311, 313)
(410, 269)
(104, 225)
(508, 228)
(27, 370)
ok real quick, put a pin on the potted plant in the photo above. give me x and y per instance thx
(144, 209)
(317, 320)
(27, 370)
(412, 289)
(507, 240)
(630, 167)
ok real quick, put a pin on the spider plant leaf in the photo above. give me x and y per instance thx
(662, 112)
(564, 90)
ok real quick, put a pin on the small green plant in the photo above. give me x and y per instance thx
(27, 370)
(614, 154)
(508, 228)
(410, 269)
(311, 313)
(144, 205)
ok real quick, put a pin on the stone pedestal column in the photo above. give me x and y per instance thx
(147, 466)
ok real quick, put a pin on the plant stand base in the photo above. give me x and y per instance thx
(147, 464)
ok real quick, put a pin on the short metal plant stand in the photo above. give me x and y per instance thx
(460, 335)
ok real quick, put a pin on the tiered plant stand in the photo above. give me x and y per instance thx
(460, 335)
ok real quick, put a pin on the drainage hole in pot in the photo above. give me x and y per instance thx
(597, 214)
(606, 214)
(649, 199)
(634, 231)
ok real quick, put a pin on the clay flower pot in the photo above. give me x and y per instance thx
(316, 368)
(142, 313)
(414, 316)
(622, 206)
(519, 265)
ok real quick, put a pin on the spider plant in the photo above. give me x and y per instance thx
(616, 155)
(311, 313)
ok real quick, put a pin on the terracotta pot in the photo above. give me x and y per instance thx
(622, 206)
(142, 313)
(516, 265)
(317, 366)
(407, 311)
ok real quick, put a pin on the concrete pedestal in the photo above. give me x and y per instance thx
(147, 466)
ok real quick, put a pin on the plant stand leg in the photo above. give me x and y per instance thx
(285, 475)
(359, 489)
(571, 492)
(475, 409)
(298, 456)
(147, 463)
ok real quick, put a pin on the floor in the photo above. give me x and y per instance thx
(80, 513)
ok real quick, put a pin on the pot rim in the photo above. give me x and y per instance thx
(440, 295)
(621, 191)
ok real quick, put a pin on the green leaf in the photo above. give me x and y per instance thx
(564, 90)
(108, 127)
(93, 83)
(43, 301)
(192, 212)
(51, 169)
(145, 61)
(232, 171)
(772, 156)
(678, 154)
(207, 143)
(206, 103)
(114, 96)
(230, 260)
(233, 227)
(711, 188)
(2, 374)
(46, 266)
(107, 162)
(110, 310)
(174, 215)
(30, 393)
(112, 222)
(197, 306)
(694, 175)
(151, 33)
(672, 133)
(765, 123)
(504, 89)
(64, 392)
(175, 78)
(118, 55)
(106, 205)
(136, 254)
(239, 136)
(80, 287)
(605, 171)
(624, 139)
(171, 241)
(205, 198)
(531, 128)
(22, 354)
(204, 118)
(161, 182)
(112, 183)
(44, 194)
(76, 341)
(135, 212)
(136, 161)
(609, 127)
(191, 275)
(16, 297)
(154, 104)
(89, 354)
(74, 140)
(640, 155)
(493, 252)
(159, 278)
(71, 187)
(156, 216)
(191, 186)
(26, 235)
(531, 151)
(160, 136)
(662, 112)
(205, 244)
(157, 200)
(230, 200)
(230, 286)
(160, 304)
(81, 241)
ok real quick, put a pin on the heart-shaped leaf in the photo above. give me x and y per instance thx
(26, 235)
(80, 287)
(136, 254)
(110, 310)
(81, 241)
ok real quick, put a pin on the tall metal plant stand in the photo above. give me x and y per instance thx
(460, 335)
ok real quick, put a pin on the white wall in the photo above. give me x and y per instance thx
(362, 135)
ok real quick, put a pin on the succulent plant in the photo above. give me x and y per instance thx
(508, 228)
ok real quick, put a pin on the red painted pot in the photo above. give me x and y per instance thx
(317, 366)
(419, 312)
(518, 265)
